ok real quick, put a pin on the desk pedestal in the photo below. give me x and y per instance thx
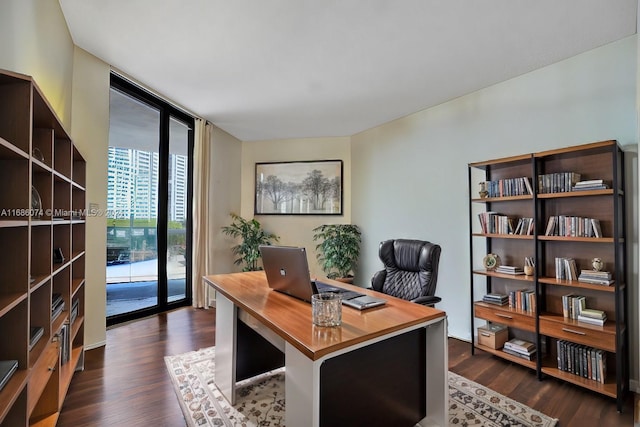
(397, 379)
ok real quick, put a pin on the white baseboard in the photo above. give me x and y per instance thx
(95, 345)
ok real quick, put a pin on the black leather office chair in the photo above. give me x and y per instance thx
(410, 270)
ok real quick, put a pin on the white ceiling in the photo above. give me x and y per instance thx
(267, 69)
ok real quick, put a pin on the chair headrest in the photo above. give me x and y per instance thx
(408, 254)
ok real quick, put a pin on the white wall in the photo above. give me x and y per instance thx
(224, 196)
(295, 230)
(410, 175)
(90, 132)
(36, 42)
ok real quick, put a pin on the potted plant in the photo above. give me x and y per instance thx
(252, 236)
(338, 249)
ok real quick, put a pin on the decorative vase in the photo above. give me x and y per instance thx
(597, 264)
(483, 190)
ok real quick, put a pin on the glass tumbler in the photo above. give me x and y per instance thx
(326, 309)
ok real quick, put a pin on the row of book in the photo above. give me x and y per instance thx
(557, 225)
(572, 226)
(75, 310)
(57, 306)
(520, 348)
(509, 187)
(524, 226)
(575, 307)
(495, 223)
(65, 344)
(572, 305)
(36, 333)
(586, 362)
(523, 299)
(558, 182)
(566, 268)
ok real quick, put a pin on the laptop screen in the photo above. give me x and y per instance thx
(287, 270)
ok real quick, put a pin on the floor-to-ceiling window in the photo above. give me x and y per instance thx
(148, 204)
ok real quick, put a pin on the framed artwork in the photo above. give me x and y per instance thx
(299, 188)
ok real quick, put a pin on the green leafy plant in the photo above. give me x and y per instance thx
(252, 236)
(338, 248)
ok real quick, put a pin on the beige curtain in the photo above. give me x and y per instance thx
(200, 251)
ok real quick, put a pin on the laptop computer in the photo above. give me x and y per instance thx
(287, 271)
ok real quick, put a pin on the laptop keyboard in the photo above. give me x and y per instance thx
(346, 295)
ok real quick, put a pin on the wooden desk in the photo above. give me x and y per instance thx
(384, 366)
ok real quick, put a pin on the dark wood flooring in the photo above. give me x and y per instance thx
(126, 383)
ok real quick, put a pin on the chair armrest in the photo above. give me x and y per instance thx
(377, 281)
(427, 300)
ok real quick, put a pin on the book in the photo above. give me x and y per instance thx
(589, 187)
(57, 306)
(590, 182)
(35, 335)
(591, 320)
(593, 313)
(596, 274)
(508, 269)
(552, 224)
(525, 356)
(572, 305)
(520, 345)
(7, 369)
(595, 223)
(566, 269)
(595, 280)
(494, 298)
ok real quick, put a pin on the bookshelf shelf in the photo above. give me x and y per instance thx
(504, 275)
(608, 388)
(501, 199)
(37, 153)
(528, 363)
(577, 239)
(603, 211)
(505, 236)
(575, 284)
(584, 193)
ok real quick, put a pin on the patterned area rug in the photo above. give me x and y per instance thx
(260, 400)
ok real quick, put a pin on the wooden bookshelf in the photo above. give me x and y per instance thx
(38, 156)
(546, 326)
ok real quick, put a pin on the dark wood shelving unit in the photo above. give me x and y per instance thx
(545, 325)
(37, 153)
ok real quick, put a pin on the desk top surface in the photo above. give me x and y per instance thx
(290, 318)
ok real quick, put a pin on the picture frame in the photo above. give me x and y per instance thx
(310, 187)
